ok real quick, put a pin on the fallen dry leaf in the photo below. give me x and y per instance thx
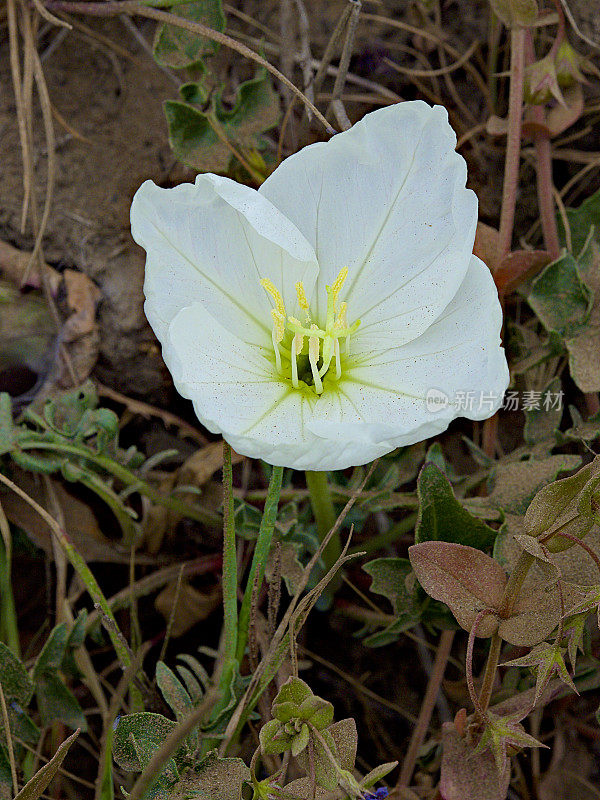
(13, 264)
(202, 465)
(192, 606)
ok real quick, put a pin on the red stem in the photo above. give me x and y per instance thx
(543, 166)
(513, 144)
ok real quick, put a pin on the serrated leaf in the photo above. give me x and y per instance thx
(442, 517)
(389, 578)
(200, 137)
(465, 579)
(560, 298)
(467, 775)
(215, 778)
(178, 48)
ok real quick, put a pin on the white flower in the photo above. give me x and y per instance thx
(308, 320)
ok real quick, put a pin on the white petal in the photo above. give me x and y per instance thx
(387, 199)
(236, 393)
(212, 242)
(459, 357)
(380, 404)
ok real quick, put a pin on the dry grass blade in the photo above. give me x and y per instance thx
(9, 744)
(133, 8)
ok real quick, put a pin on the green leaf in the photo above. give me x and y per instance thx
(325, 757)
(441, 516)
(6, 785)
(215, 778)
(390, 577)
(56, 702)
(273, 739)
(175, 694)
(16, 683)
(75, 640)
(560, 298)
(147, 730)
(201, 137)
(516, 13)
(545, 660)
(541, 424)
(294, 691)
(52, 653)
(582, 221)
(34, 788)
(177, 48)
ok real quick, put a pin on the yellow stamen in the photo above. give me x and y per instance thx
(269, 287)
(341, 321)
(302, 301)
(278, 324)
(336, 287)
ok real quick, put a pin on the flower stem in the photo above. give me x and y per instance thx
(259, 558)
(325, 517)
(230, 578)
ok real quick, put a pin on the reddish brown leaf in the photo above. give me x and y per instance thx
(517, 267)
(485, 246)
(464, 578)
(467, 774)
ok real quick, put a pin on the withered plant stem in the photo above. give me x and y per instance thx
(427, 706)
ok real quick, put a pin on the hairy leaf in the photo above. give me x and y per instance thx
(442, 517)
(465, 579)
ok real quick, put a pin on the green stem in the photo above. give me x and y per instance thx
(382, 540)
(230, 585)
(230, 577)
(325, 517)
(509, 599)
(9, 631)
(129, 479)
(259, 558)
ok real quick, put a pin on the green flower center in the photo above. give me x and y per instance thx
(326, 346)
